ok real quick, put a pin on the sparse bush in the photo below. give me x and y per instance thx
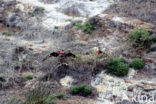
(50, 99)
(117, 66)
(31, 14)
(86, 27)
(40, 99)
(56, 27)
(39, 96)
(28, 77)
(80, 43)
(13, 100)
(61, 96)
(137, 64)
(36, 11)
(81, 90)
(140, 38)
(7, 33)
(42, 9)
(153, 38)
(68, 20)
(113, 5)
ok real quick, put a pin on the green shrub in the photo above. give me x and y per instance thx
(81, 90)
(86, 27)
(42, 9)
(56, 27)
(7, 33)
(28, 77)
(31, 14)
(117, 66)
(137, 64)
(140, 38)
(68, 20)
(80, 43)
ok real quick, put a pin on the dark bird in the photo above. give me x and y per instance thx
(59, 54)
(69, 55)
(53, 54)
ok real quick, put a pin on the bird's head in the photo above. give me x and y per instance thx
(62, 52)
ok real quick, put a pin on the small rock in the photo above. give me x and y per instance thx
(2, 79)
(152, 48)
(131, 73)
(126, 53)
(20, 7)
(149, 88)
(12, 18)
(111, 80)
(20, 49)
(147, 67)
(130, 88)
(66, 81)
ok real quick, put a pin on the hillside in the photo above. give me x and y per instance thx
(77, 51)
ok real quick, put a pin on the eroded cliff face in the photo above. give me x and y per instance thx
(38, 27)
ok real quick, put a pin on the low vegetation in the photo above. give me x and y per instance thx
(39, 96)
(137, 64)
(56, 27)
(68, 20)
(31, 14)
(113, 5)
(36, 11)
(86, 27)
(39, 99)
(80, 43)
(117, 66)
(7, 33)
(141, 38)
(61, 96)
(28, 77)
(42, 9)
(91, 57)
(81, 90)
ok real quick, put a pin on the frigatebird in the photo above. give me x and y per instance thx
(59, 54)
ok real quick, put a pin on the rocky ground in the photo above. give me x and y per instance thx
(40, 27)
